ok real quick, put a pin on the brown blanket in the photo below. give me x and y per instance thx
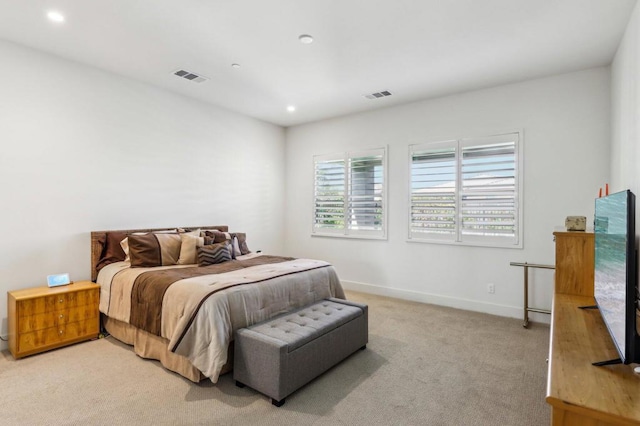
(149, 288)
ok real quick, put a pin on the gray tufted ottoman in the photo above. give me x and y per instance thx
(280, 355)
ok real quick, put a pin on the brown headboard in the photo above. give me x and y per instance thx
(98, 238)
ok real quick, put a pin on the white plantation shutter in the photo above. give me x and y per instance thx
(467, 191)
(488, 195)
(433, 191)
(366, 192)
(350, 194)
(330, 184)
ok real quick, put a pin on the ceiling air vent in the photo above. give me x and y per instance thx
(190, 76)
(377, 95)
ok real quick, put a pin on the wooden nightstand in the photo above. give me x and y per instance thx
(43, 318)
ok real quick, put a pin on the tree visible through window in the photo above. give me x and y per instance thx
(467, 191)
(350, 194)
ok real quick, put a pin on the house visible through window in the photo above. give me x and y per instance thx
(467, 191)
(350, 194)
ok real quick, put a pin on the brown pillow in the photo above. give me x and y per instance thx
(154, 249)
(112, 251)
(218, 236)
(213, 253)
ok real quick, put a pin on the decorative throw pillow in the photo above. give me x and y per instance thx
(154, 249)
(235, 247)
(125, 243)
(112, 250)
(125, 248)
(242, 242)
(217, 236)
(188, 253)
(213, 253)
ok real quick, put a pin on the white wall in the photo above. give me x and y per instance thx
(625, 110)
(566, 123)
(84, 150)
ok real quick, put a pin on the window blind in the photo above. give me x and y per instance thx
(488, 194)
(433, 196)
(466, 191)
(329, 191)
(350, 194)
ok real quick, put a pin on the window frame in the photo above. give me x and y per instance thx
(458, 238)
(345, 231)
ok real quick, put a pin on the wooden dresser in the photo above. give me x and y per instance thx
(46, 318)
(578, 392)
(574, 262)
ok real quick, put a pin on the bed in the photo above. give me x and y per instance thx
(184, 315)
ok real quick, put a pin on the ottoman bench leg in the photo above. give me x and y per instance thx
(278, 403)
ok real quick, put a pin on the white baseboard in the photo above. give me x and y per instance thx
(452, 302)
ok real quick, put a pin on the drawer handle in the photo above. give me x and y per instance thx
(60, 332)
(61, 316)
(60, 301)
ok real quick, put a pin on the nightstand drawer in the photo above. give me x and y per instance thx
(56, 318)
(57, 302)
(55, 336)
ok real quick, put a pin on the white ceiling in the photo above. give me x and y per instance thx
(414, 48)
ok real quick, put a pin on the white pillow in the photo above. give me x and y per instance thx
(236, 247)
(125, 248)
(188, 251)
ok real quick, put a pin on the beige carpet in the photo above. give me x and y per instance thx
(424, 365)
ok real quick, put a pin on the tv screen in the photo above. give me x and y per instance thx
(615, 270)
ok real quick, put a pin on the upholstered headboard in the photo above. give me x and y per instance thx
(98, 239)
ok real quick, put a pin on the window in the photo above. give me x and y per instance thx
(350, 194)
(467, 191)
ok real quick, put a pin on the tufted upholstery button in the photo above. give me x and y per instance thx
(301, 315)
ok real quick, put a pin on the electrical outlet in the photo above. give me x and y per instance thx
(491, 288)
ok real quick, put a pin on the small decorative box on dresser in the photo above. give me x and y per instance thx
(43, 318)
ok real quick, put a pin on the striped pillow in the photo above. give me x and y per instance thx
(213, 253)
(154, 249)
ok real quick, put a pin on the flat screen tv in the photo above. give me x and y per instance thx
(616, 286)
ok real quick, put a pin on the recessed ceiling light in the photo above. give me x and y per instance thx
(236, 66)
(305, 39)
(55, 16)
(291, 108)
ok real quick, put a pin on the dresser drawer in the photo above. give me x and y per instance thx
(56, 318)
